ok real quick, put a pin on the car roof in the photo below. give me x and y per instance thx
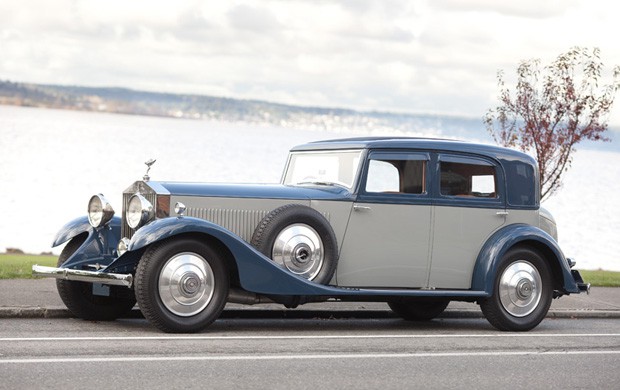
(433, 144)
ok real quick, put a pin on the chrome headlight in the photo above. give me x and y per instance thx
(100, 211)
(139, 211)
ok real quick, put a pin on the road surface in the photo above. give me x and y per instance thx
(309, 354)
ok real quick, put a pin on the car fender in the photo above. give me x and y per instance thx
(99, 246)
(80, 225)
(257, 273)
(500, 242)
(72, 229)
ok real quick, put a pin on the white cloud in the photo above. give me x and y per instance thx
(523, 8)
(252, 18)
(439, 56)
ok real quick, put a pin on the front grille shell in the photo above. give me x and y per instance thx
(159, 199)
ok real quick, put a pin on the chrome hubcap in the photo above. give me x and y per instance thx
(520, 288)
(299, 249)
(186, 284)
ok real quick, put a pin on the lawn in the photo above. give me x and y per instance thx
(20, 266)
(601, 278)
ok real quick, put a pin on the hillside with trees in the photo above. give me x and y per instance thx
(133, 102)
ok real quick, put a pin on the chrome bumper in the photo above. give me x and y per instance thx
(82, 276)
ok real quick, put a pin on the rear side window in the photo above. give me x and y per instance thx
(468, 178)
(522, 184)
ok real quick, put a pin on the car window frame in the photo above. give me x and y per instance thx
(499, 201)
(391, 197)
(356, 175)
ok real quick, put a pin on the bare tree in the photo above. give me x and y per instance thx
(553, 109)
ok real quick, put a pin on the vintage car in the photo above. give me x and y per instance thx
(412, 222)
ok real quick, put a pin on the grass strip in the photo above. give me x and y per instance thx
(601, 278)
(20, 266)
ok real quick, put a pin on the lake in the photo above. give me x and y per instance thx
(52, 161)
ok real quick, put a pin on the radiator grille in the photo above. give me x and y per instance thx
(241, 222)
(126, 231)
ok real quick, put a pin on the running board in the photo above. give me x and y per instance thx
(77, 275)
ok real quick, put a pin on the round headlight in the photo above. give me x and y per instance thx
(139, 211)
(100, 211)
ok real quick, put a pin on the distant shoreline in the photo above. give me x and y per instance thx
(190, 106)
(255, 112)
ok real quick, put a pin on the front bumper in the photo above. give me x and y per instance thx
(82, 276)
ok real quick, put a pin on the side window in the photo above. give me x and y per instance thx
(468, 178)
(403, 175)
(382, 177)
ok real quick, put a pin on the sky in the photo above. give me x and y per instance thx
(409, 56)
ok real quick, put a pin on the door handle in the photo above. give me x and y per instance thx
(502, 213)
(357, 207)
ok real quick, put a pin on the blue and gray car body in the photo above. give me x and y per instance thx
(213, 213)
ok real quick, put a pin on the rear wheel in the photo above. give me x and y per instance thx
(79, 297)
(412, 309)
(522, 291)
(181, 285)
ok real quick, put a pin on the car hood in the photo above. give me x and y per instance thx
(260, 191)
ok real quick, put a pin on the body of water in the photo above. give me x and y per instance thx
(52, 161)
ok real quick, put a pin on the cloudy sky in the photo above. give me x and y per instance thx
(437, 56)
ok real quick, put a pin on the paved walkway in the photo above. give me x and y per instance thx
(34, 298)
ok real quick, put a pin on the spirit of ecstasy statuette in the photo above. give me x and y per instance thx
(148, 164)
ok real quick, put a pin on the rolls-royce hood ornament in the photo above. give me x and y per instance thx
(149, 163)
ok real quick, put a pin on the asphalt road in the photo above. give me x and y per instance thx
(309, 354)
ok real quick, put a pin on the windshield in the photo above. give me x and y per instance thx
(323, 168)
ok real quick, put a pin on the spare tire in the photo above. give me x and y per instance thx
(301, 240)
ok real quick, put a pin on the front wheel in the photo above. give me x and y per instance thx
(79, 297)
(181, 285)
(522, 291)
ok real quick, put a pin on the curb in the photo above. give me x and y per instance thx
(42, 312)
(33, 312)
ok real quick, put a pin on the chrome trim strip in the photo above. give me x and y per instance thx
(82, 276)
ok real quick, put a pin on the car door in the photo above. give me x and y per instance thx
(387, 240)
(469, 206)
